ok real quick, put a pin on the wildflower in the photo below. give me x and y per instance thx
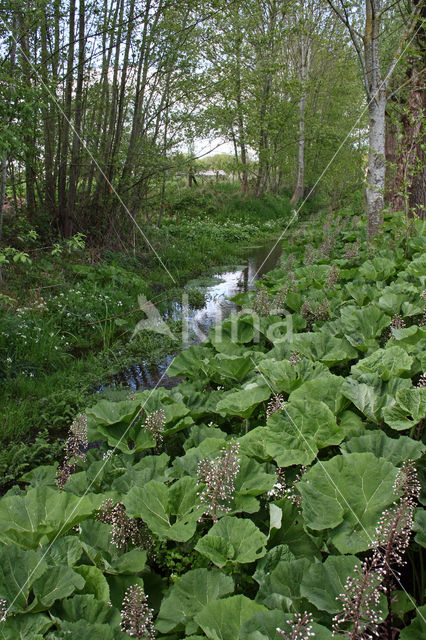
(397, 322)
(294, 358)
(352, 250)
(136, 616)
(300, 627)
(422, 381)
(309, 254)
(261, 303)
(375, 576)
(333, 276)
(75, 450)
(218, 475)
(3, 610)
(124, 529)
(275, 404)
(155, 424)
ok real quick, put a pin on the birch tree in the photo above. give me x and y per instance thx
(364, 21)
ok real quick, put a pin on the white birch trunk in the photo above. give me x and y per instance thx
(376, 163)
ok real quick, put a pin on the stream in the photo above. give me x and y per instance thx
(217, 306)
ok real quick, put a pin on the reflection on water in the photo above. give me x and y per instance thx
(217, 307)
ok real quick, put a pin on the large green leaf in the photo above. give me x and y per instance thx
(84, 630)
(296, 433)
(242, 403)
(263, 626)
(96, 584)
(106, 413)
(55, 583)
(25, 627)
(287, 377)
(19, 569)
(41, 514)
(223, 619)
(193, 591)
(87, 607)
(327, 388)
(362, 326)
(323, 347)
(148, 468)
(323, 582)
(281, 587)
(129, 563)
(189, 361)
(373, 397)
(293, 533)
(387, 363)
(170, 512)
(408, 410)
(347, 495)
(232, 540)
(223, 367)
(66, 551)
(420, 526)
(377, 269)
(417, 629)
(396, 450)
(188, 463)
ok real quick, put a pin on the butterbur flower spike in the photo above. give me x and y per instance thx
(275, 404)
(218, 475)
(300, 627)
(362, 592)
(3, 610)
(124, 529)
(75, 449)
(155, 424)
(136, 616)
(422, 381)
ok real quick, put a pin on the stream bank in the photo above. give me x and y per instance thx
(218, 305)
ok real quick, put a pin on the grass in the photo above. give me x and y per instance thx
(65, 327)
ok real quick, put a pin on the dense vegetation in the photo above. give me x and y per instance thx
(67, 313)
(272, 486)
(248, 498)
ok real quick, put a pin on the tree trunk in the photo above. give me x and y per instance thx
(2, 196)
(298, 192)
(376, 163)
(409, 190)
(75, 154)
(64, 221)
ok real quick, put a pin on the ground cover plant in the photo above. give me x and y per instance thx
(275, 493)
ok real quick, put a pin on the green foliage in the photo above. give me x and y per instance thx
(284, 544)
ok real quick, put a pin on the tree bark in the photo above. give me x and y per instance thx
(76, 144)
(376, 163)
(304, 61)
(64, 221)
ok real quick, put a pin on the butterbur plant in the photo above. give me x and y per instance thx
(136, 616)
(124, 529)
(261, 303)
(376, 575)
(75, 449)
(300, 627)
(3, 610)
(294, 358)
(393, 532)
(218, 476)
(361, 613)
(422, 381)
(275, 404)
(154, 423)
(333, 277)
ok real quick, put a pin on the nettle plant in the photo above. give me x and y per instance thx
(276, 492)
